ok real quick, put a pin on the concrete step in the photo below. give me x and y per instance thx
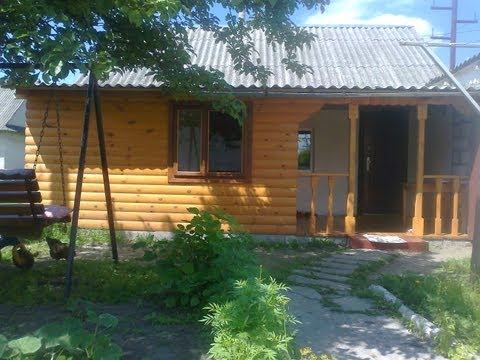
(339, 265)
(414, 244)
(349, 260)
(332, 285)
(321, 275)
(330, 270)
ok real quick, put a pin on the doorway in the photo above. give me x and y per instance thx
(383, 159)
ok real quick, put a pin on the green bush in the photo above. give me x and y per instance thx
(202, 261)
(253, 325)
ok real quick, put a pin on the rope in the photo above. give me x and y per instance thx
(60, 151)
(54, 96)
(42, 132)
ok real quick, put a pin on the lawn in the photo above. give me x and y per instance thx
(448, 299)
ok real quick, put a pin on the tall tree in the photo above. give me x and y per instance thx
(58, 37)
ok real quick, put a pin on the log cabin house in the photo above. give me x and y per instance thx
(365, 142)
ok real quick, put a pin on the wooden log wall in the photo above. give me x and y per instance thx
(136, 131)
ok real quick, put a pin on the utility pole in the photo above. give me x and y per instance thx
(454, 21)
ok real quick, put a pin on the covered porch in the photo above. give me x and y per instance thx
(385, 167)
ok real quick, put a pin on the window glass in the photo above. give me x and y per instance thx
(189, 140)
(305, 150)
(224, 143)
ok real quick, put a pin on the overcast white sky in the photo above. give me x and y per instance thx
(403, 12)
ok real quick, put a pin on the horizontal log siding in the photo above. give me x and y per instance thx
(136, 131)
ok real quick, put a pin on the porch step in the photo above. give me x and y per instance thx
(412, 243)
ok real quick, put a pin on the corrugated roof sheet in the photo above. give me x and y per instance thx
(471, 83)
(8, 106)
(341, 57)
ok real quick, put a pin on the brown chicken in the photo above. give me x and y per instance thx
(58, 250)
(21, 257)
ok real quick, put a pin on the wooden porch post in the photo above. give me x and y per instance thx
(352, 169)
(418, 221)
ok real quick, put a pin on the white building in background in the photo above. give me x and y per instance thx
(12, 130)
(468, 73)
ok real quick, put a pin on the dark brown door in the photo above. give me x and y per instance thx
(382, 159)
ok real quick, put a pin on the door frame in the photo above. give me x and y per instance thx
(404, 113)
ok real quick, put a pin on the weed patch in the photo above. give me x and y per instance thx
(360, 278)
(253, 324)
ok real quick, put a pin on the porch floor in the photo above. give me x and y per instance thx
(373, 224)
(364, 224)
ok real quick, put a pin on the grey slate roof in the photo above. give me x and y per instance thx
(8, 107)
(342, 57)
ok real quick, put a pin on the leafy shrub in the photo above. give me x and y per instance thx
(67, 340)
(253, 325)
(202, 261)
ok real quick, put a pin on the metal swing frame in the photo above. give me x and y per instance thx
(92, 95)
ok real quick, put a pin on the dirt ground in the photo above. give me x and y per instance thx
(138, 337)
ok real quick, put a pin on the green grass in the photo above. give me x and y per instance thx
(94, 280)
(360, 278)
(449, 300)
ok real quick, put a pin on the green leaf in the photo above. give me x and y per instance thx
(187, 268)
(194, 301)
(107, 350)
(58, 68)
(26, 345)
(170, 301)
(54, 335)
(107, 320)
(3, 345)
(149, 255)
(193, 210)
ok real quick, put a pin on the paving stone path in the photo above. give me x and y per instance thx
(335, 322)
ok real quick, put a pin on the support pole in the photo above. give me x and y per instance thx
(78, 188)
(438, 206)
(313, 205)
(418, 221)
(331, 185)
(353, 115)
(455, 202)
(106, 179)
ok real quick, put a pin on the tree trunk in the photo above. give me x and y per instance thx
(474, 217)
(475, 261)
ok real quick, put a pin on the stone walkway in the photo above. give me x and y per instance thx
(335, 322)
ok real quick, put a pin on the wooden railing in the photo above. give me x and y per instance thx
(440, 186)
(314, 177)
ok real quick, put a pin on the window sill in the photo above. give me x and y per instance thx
(212, 179)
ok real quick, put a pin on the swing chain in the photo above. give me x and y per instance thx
(42, 132)
(60, 151)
